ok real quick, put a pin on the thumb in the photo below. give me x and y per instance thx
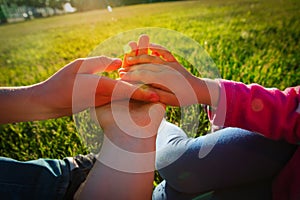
(96, 64)
(126, 90)
(117, 90)
(145, 95)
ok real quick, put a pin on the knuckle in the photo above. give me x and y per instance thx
(144, 57)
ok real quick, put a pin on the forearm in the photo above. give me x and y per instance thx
(207, 91)
(270, 112)
(125, 169)
(20, 104)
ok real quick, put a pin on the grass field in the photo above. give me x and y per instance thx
(249, 40)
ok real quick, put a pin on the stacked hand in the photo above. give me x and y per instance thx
(72, 89)
(169, 79)
(127, 156)
(136, 120)
(78, 82)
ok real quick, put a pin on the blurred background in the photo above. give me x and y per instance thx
(20, 10)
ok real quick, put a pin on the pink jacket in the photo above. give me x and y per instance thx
(271, 112)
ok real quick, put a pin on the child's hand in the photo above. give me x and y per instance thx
(160, 70)
(137, 49)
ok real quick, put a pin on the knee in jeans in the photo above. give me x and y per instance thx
(169, 155)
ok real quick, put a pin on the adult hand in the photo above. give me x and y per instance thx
(72, 89)
(78, 82)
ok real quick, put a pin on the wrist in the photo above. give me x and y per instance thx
(207, 91)
(43, 102)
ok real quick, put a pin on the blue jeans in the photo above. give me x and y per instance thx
(228, 164)
(37, 179)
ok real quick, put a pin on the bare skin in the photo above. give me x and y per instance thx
(163, 72)
(126, 163)
(55, 96)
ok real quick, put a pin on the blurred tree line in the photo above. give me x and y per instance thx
(35, 3)
(81, 5)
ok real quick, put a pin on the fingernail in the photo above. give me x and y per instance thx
(121, 74)
(121, 70)
(116, 60)
(154, 97)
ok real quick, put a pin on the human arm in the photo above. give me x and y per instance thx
(166, 76)
(234, 104)
(72, 89)
(163, 72)
(125, 166)
(269, 111)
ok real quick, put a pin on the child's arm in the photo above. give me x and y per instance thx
(271, 112)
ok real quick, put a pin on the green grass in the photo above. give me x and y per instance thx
(250, 41)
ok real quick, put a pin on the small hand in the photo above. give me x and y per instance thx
(160, 70)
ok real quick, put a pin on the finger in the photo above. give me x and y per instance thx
(160, 87)
(162, 51)
(134, 47)
(117, 90)
(144, 72)
(151, 67)
(140, 75)
(144, 76)
(143, 44)
(114, 65)
(155, 54)
(122, 70)
(125, 64)
(121, 74)
(160, 82)
(132, 52)
(98, 64)
(144, 59)
(142, 85)
(167, 98)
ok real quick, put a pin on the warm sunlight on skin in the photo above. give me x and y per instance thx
(126, 160)
(162, 71)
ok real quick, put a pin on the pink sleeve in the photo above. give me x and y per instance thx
(271, 112)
